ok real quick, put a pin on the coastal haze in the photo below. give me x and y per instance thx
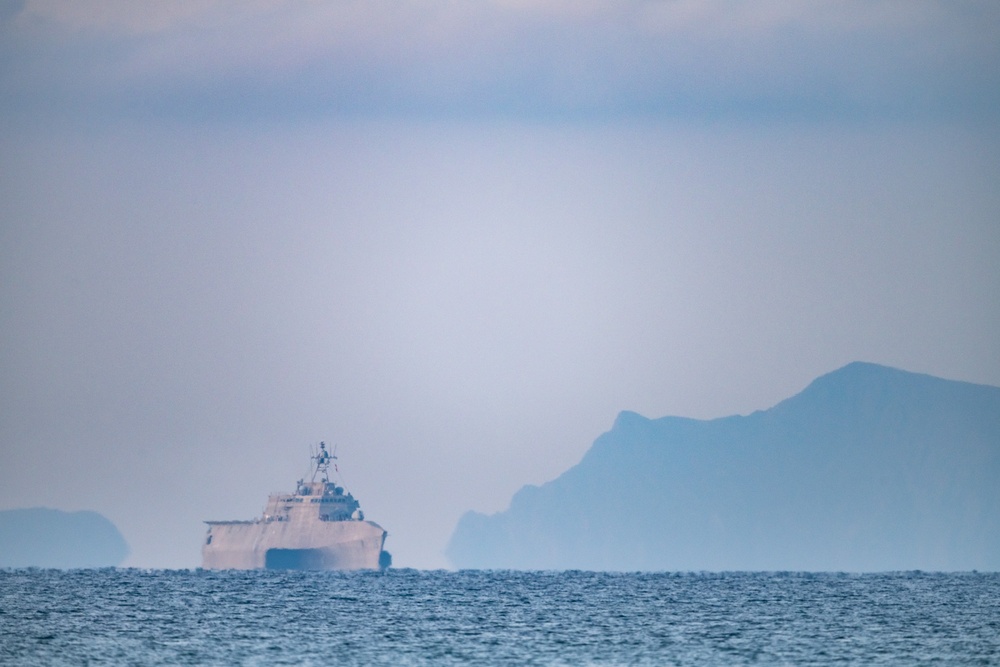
(457, 241)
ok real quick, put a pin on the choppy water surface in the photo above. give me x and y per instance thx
(405, 617)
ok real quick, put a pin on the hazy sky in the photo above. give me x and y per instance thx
(457, 238)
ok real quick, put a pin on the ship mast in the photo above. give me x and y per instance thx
(322, 462)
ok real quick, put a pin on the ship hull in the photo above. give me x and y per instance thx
(293, 545)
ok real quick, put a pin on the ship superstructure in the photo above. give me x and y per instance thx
(318, 527)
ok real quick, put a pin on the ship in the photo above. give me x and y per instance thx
(319, 527)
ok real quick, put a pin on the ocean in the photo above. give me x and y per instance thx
(411, 617)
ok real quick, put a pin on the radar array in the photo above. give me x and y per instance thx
(322, 460)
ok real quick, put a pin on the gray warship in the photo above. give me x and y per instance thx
(319, 527)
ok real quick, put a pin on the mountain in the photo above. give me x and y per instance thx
(41, 537)
(869, 468)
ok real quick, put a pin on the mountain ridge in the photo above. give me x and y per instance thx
(867, 468)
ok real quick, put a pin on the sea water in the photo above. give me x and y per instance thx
(409, 617)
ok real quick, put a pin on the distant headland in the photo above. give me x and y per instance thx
(49, 538)
(867, 469)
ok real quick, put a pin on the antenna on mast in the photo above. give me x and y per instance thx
(322, 460)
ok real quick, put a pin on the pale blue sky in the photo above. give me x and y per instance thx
(458, 238)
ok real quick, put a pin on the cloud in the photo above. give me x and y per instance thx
(509, 58)
(591, 59)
